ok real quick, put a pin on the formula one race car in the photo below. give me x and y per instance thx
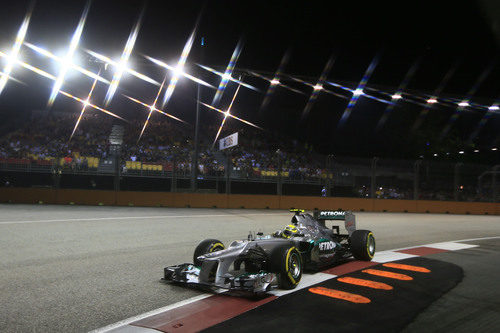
(261, 263)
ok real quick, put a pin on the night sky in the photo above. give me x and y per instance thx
(440, 32)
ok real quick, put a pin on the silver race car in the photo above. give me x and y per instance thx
(261, 263)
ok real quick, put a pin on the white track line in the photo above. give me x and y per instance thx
(452, 246)
(150, 313)
(475, 239)
(456, 241)
(139, 217)
(276, 292)
(388, 256)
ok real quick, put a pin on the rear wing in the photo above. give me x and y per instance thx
(337, 215)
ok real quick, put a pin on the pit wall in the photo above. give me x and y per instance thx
(168, 199)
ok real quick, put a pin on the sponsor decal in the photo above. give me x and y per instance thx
(326, 246)
(332, 213)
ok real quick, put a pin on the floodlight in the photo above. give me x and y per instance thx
(358, 92)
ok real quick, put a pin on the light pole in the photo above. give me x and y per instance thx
(279, 185)
(374, 176)
(416, 178)
(194, 169)
(329, 170)
(456, 180)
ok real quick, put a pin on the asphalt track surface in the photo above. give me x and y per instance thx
(78, 268)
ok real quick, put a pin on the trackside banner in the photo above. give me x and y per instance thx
(228, 141)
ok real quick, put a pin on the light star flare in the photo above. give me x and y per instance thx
(85, 104)
(12, 56)
(65, 64)
(122, 65)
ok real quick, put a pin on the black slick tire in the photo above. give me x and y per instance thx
(363, 245)
(206, 246)
(286, 261)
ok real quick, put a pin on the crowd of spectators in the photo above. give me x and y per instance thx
(45, 137)
(259, 153)
(48, 137)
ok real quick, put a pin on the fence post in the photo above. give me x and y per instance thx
(228, 172)
(374, 176)
(279, 185)
(456, 180)
(117, 172)
(329, 170)
(416, 178)
(494, 184)
(173, 186)
(56, 177)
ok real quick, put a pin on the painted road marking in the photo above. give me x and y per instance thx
(137, 217)
(422, 251)
(365, 283)
(407, 267)
(451, 246)
(387, 274)
(200, 315)
(306, 281)
(386, 256)
(130, 320)
(354, 298)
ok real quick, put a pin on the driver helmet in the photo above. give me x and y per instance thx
(289, 231)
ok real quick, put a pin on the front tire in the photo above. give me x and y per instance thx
(363, 245)
(206, 246)
(287, 262)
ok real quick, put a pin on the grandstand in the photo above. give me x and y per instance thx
(165, 152)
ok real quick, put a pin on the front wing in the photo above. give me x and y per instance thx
(206, 278)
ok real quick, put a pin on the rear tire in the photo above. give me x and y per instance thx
(363, 245)
(206, 246)
(287, 262)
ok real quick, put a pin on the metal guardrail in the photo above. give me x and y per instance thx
(377, 180)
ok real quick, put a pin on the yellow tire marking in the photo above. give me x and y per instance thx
(368, 245)
(213, 247)
(286, 264)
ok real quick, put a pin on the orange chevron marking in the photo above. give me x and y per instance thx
(387, 274)
(407, 267)
(365, 283)
(353, 298)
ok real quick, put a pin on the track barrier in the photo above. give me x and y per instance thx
(210, 200)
